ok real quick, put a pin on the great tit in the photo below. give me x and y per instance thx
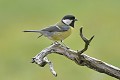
(60, 30)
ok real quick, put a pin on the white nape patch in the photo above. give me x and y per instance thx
(67, 21)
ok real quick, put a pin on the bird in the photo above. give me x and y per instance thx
(59, 31)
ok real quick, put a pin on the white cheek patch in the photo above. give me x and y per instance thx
(67, 21)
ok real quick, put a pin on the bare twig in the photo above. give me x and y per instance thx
(51, 66)
(87, 42)
(77, 57)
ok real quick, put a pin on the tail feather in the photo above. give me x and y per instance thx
(40, 35)
(32, 31)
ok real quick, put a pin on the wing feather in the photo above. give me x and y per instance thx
(56, 29)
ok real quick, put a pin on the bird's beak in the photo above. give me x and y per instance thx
(75, 20)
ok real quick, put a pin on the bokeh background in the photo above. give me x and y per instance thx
(98, 17)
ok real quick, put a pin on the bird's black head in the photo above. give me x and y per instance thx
(69, 20)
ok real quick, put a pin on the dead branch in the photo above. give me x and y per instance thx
(77, 56)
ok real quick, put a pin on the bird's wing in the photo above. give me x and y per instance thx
(56, 28)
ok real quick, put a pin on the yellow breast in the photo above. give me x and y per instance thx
(58, 36)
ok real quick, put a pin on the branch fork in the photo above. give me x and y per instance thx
(77, 56)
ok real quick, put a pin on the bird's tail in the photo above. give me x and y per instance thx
(38, 31)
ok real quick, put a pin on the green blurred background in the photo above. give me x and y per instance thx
(99, 17)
